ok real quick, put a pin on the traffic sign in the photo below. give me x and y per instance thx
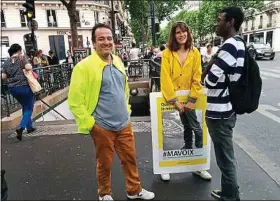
(33, 25)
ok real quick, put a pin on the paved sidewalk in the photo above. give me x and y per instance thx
(61, 167)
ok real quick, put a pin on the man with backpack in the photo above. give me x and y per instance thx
(234, 87)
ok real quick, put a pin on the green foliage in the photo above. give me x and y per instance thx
(139, 15)
(202, 22)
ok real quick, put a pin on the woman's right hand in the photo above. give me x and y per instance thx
(179, 107)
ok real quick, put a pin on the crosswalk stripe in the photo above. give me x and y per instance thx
(273, 70)
(270, 74)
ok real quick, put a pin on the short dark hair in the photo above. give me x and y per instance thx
(50, 52)
(235, 13)
(14, 49)
(172, 43)
(162, 48)
(97, 26)
(209, 45)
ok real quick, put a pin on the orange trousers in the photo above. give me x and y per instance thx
(106, 143)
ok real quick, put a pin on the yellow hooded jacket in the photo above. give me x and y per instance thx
(85, 87)
(173, 77)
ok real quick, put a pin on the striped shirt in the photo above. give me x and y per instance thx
(230, 61)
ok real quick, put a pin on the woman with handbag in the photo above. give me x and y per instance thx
(13, 71)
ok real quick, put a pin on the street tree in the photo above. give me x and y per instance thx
(74, 18)
(139, 14)
(203, 21)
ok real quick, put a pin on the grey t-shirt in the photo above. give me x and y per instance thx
(15, 75)
(111, 112)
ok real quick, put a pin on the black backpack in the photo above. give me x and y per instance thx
(245, 93)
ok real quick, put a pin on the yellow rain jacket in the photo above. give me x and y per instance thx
(173, 77)
(85, 88)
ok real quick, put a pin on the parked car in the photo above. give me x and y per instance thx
(261, 51)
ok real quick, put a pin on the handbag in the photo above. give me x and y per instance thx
(31, 78)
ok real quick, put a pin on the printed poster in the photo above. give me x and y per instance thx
(168, 140)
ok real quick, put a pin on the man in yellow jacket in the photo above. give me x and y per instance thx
(98, 98)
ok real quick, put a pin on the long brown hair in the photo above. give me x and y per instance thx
(173, 45)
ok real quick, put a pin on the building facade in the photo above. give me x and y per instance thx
(53, 32)
(192, 5)
(263, 26)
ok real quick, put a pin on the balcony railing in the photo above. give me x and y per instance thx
(51, 78)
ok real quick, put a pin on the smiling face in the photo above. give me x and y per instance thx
(104, 42)
(181, 36)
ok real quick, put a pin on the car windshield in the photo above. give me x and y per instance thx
(260, 45)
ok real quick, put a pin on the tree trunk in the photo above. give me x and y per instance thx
(73, 25)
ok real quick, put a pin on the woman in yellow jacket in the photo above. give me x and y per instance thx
(181, 70)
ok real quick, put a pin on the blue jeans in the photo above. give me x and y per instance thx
(24, 96)
(221, 133)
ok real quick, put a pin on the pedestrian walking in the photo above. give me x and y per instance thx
(98, 98)
(220, 116)
(134, 52)
(12, 71)
(181, 70)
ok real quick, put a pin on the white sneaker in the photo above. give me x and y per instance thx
(165, 176)
(203, 174)
(106, 198)
(144, 195)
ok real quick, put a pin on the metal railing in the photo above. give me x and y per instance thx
(52, 78)
(138, 69)
(155, 75)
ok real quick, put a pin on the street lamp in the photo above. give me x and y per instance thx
(113, 12)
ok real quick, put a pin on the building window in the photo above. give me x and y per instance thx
(96, 17)
(5, 41)
(22, 18)
(253, 24)
(80, 41)
(269, 36)
(269, 24)
(270, 18)
(259, 37)
(261, 22)
(3, 22)
(106, 2)
(79, 21)
(51, 16)
(101, 1)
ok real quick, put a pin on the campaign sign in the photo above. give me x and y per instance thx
(170, 130)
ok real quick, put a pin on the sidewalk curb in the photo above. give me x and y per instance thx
(268, 166)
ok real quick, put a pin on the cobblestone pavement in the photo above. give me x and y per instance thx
(170, 126)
